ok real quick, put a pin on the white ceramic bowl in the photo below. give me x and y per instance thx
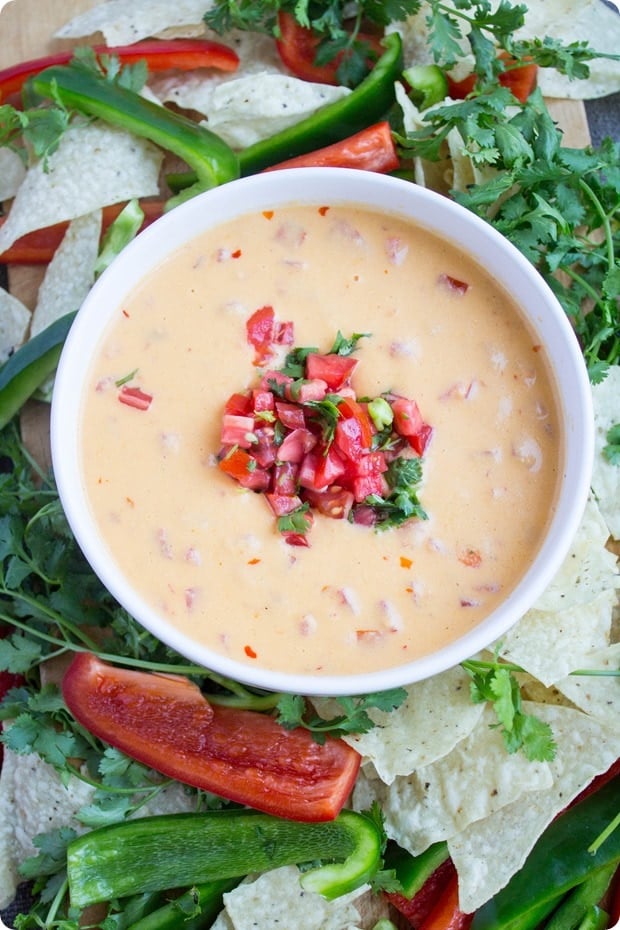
(318, 186)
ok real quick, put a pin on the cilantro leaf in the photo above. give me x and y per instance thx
(294, 711)
(611, 450)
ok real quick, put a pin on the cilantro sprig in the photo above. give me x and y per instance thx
(296, 711)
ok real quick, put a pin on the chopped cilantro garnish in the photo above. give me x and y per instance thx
(403, 476)
(611, 450)
(343, 346)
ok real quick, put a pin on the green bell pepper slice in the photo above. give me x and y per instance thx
(182, 850)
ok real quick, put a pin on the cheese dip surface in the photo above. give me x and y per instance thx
(207, 554)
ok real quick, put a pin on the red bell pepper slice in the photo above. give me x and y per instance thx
(297, 47)
(38, 247)
(371, 149)
(247, 757)
(445, 914)
(418, 908)
(159, 54)
(521, 81)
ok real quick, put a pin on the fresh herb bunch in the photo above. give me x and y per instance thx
(337, 25)
(560, 206)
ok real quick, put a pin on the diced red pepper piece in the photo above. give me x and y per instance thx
(159, 54)
(454, 284)
(297, 47)
(237, 431)
(420, 440)
(241, 466)
(242, 755)
(238, 405)
(371, 149)
(260, 329)
(135, 397)
(349, 407)
(335, 370)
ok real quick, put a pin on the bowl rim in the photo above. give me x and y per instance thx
(376, 192)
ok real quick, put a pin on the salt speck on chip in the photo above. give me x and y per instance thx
(489, 852)
(12, 173)
(550, 645)
(70, 274)
(14, 323)
(248, 109)
(94, 165)
(276, 900)
(437, 713)
(606, 476)
(475, 779)
(588, 569)
(597, 695)
(122, 23)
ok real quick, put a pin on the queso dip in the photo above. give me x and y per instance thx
(206, 554)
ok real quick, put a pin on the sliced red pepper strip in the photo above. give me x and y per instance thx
(372, 149)
(521, 81)
(418, 908)
(297, 47)
(39, 246)
(241, 755)
(445, 914)
(159, 54)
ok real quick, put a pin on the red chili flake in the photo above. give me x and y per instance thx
(249, 652)
(134, 397)
(405, 562)
(253, 561)
(268, 214)
(125, 313)
(453, 284)
(536, 348)
(236, 254)
(323, 210)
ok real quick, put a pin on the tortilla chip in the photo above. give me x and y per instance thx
(14, 323)
(577, 21)
(70, 275)
(597, 695)
(552, 645)
(245, 110)
(437, 801)
(12, 173)
(435, 716)
(606, 477)
(489, 852)
(122, 23)
(95, 165)
(587, 571)
(275, 900)
(194, 90)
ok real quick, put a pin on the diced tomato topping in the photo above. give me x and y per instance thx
(454, 284)
(335, 370)
(238, 404)
(290, 415)
(237, 431)
(296, 445)
(279, 438)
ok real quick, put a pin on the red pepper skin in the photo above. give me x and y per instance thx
(38, 247)
(371, 149)
(297, 48)
(159, 54)
(445, 914)
(520, 81)
(418, 908)
(241, 755)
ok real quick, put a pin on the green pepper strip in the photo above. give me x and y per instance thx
(368, 103)
(559, 862)
(595, 919)
(181, 850)
(81, 89)
(28, 367)
(575, 907)
(194, 909)
(413, 871)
